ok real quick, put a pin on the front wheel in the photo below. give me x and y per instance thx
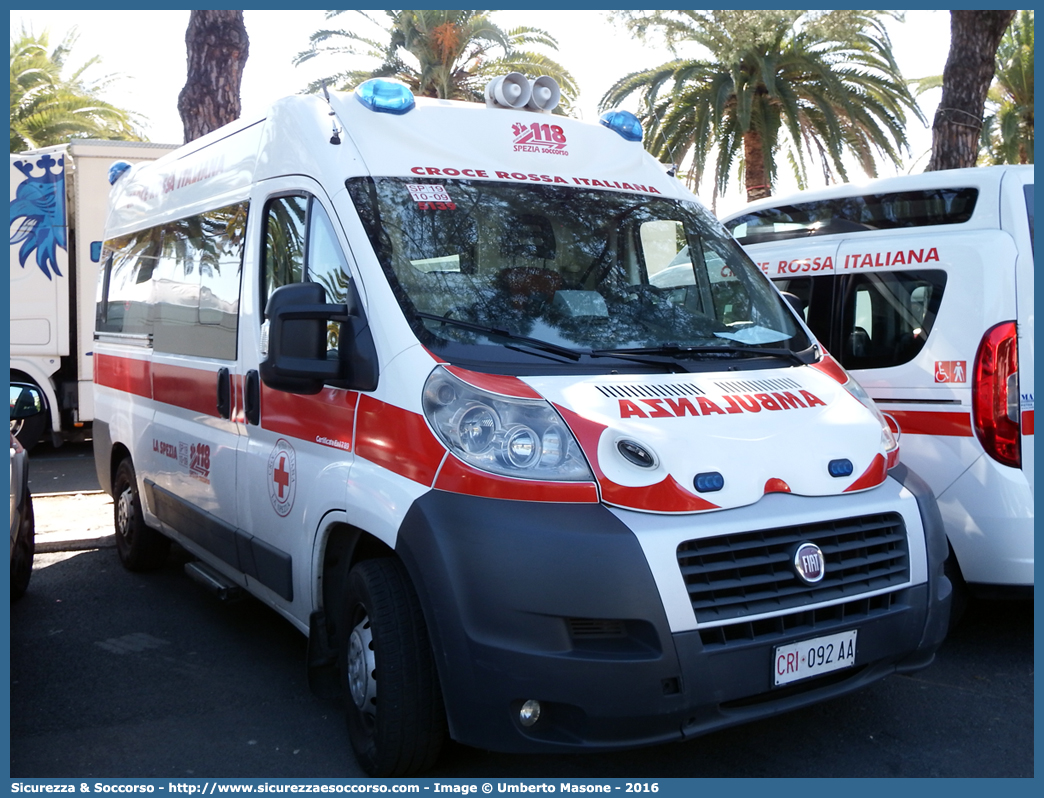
(139, 546)
(396, 719)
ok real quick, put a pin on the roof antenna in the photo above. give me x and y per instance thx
(335, 137)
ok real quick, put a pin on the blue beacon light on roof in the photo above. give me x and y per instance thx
(385, 96)
(623, 122)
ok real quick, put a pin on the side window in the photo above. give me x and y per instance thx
(886, 318)
(285, 219)
(326, 263)
(300, 245)
(125, 291)
(178, 282)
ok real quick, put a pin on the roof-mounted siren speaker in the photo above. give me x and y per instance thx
(545, 94)
(508, 91)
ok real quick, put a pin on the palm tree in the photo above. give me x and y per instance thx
(446, 54)
(969, 70)
(50, 108)
(1007, 135)
(821, 83)
(217, 45)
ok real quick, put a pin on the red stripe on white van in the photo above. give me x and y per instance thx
(457, 476)
(191, 389)
(123, 374)
(666, 496)
(495, 383)
(1027, 422)
(398, 440)
(933, 422)
(327, 417)
(874, 475)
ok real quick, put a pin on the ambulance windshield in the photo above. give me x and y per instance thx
(569, 272)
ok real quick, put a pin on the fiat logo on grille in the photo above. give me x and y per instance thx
(808, 563)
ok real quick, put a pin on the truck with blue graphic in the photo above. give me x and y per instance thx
(58, 206)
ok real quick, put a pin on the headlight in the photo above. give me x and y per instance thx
(513, 437)
(888, 439)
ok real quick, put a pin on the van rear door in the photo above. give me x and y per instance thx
(1017, 219)
(913, 306)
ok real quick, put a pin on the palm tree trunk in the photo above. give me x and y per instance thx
(755, 173)
(974, 36)
(217, 47)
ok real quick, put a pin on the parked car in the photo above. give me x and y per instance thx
(26, 402)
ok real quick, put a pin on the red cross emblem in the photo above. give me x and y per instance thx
(282, 477)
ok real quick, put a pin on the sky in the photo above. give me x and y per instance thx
(147, 50)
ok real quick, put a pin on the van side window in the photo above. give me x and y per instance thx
(129, 263)
(285, 219)
(326, 263)
(300, 245)
(886, 318)
(891, 211)
(177, 282)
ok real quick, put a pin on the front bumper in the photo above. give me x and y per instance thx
(557, 602)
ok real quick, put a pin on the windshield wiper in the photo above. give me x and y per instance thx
(536, 343)
(677, 349)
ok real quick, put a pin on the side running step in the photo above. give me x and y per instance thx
(214, 581)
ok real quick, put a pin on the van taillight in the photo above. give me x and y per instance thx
(995, 395)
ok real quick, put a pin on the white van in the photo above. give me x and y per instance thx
(399, 369)
(922, 287)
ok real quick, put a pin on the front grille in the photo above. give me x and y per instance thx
(807, 622)
(750, 573)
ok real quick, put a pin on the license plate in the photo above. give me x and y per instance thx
(814, 657)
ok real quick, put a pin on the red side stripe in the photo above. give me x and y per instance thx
(326, 417)
(191, 389)
(123, 374)
(1027, 422)
(398, 440)
(933, 422)
(459, 477)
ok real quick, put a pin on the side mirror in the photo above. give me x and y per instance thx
(26, 401)
(297, 360)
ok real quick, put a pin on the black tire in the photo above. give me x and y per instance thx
(140, 547)
(22, 554)
(396, 719)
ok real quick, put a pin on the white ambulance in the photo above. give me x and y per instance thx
(922, 287)
(399, 368)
